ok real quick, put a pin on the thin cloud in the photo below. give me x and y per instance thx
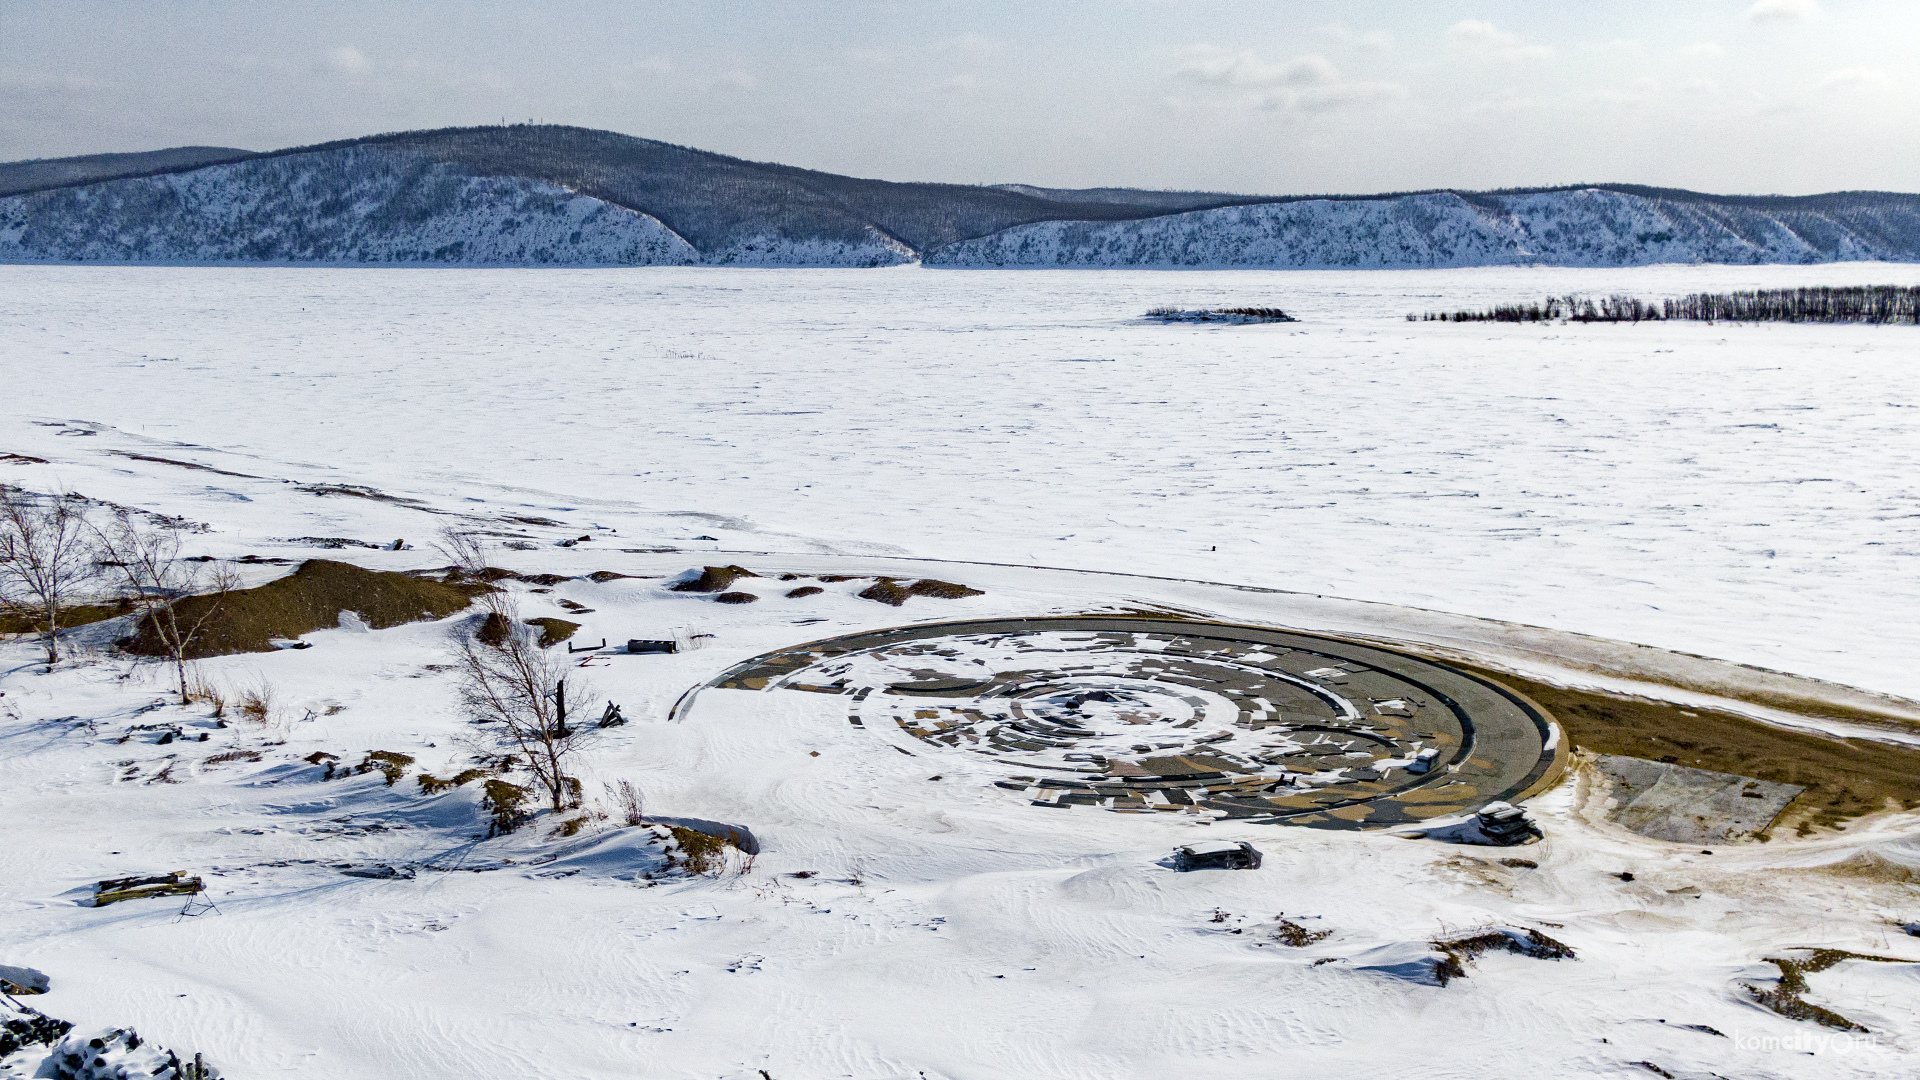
(1783, 11)
(1482, 38)
(1703, 49)
(1855, 78)
(1623, 47)
(346, 60)
(1304, 84)
(1373, 41)
(1212, 66)
(1341, 95)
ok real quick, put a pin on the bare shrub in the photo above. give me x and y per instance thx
(48, 553)
(203, 689)
(627, 798)
(520, 691)
(257, 702)
(466, 553)
(147, 556)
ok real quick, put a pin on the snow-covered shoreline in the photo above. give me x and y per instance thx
(1536, 497)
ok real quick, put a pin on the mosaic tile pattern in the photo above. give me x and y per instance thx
(1164, 716)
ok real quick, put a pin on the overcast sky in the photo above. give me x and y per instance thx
(1789, 96)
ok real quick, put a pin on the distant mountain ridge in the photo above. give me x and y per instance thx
(536, 195)
(20, 176)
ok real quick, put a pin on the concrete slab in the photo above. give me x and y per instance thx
(1690, 806)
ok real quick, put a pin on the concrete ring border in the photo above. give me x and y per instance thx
(1546, 771)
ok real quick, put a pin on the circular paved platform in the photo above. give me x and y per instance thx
(1154, 716)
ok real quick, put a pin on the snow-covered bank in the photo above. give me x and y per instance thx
(893, 924)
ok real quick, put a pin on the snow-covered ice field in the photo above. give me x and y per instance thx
(1742, 492)
(1745, 492)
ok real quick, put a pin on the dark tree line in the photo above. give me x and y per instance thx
(1854, 304)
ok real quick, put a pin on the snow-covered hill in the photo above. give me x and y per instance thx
(541, 195)
(370, 205)
(1589, 227)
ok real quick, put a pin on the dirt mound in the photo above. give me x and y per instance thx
(311, 598)
(736, 598)
(715, 579)
(943, 590)
(886, 591)
(889, 591)
(554, 631)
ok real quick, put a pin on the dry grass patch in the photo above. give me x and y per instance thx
(1844, 778)
(392, 764)
(700, 852)
(715, 579)
(1461, 951)
(21, 622)
(1784, 997)
(311, 598)
(553, 631)
(889, 591)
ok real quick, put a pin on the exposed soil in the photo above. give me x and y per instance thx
(371, 494)
(943, 590)
(17, 623)
(1785, 998)
(736, 598)
(1461, 951)
(805, 590)
(1844, 778)
(311, 598)
(886, 591)
(494, 629)
(181, 464)
(715, 579)
(554, 631)
(889, 591)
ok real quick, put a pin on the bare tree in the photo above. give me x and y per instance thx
(524, 689)
(464, 550)
(160, 583)
(47, 556)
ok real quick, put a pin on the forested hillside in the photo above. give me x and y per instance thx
(546, 195)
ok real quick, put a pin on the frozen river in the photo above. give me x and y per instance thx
(1746, 492)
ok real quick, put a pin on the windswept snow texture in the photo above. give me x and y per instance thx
(370, 206)
(1592, 227)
